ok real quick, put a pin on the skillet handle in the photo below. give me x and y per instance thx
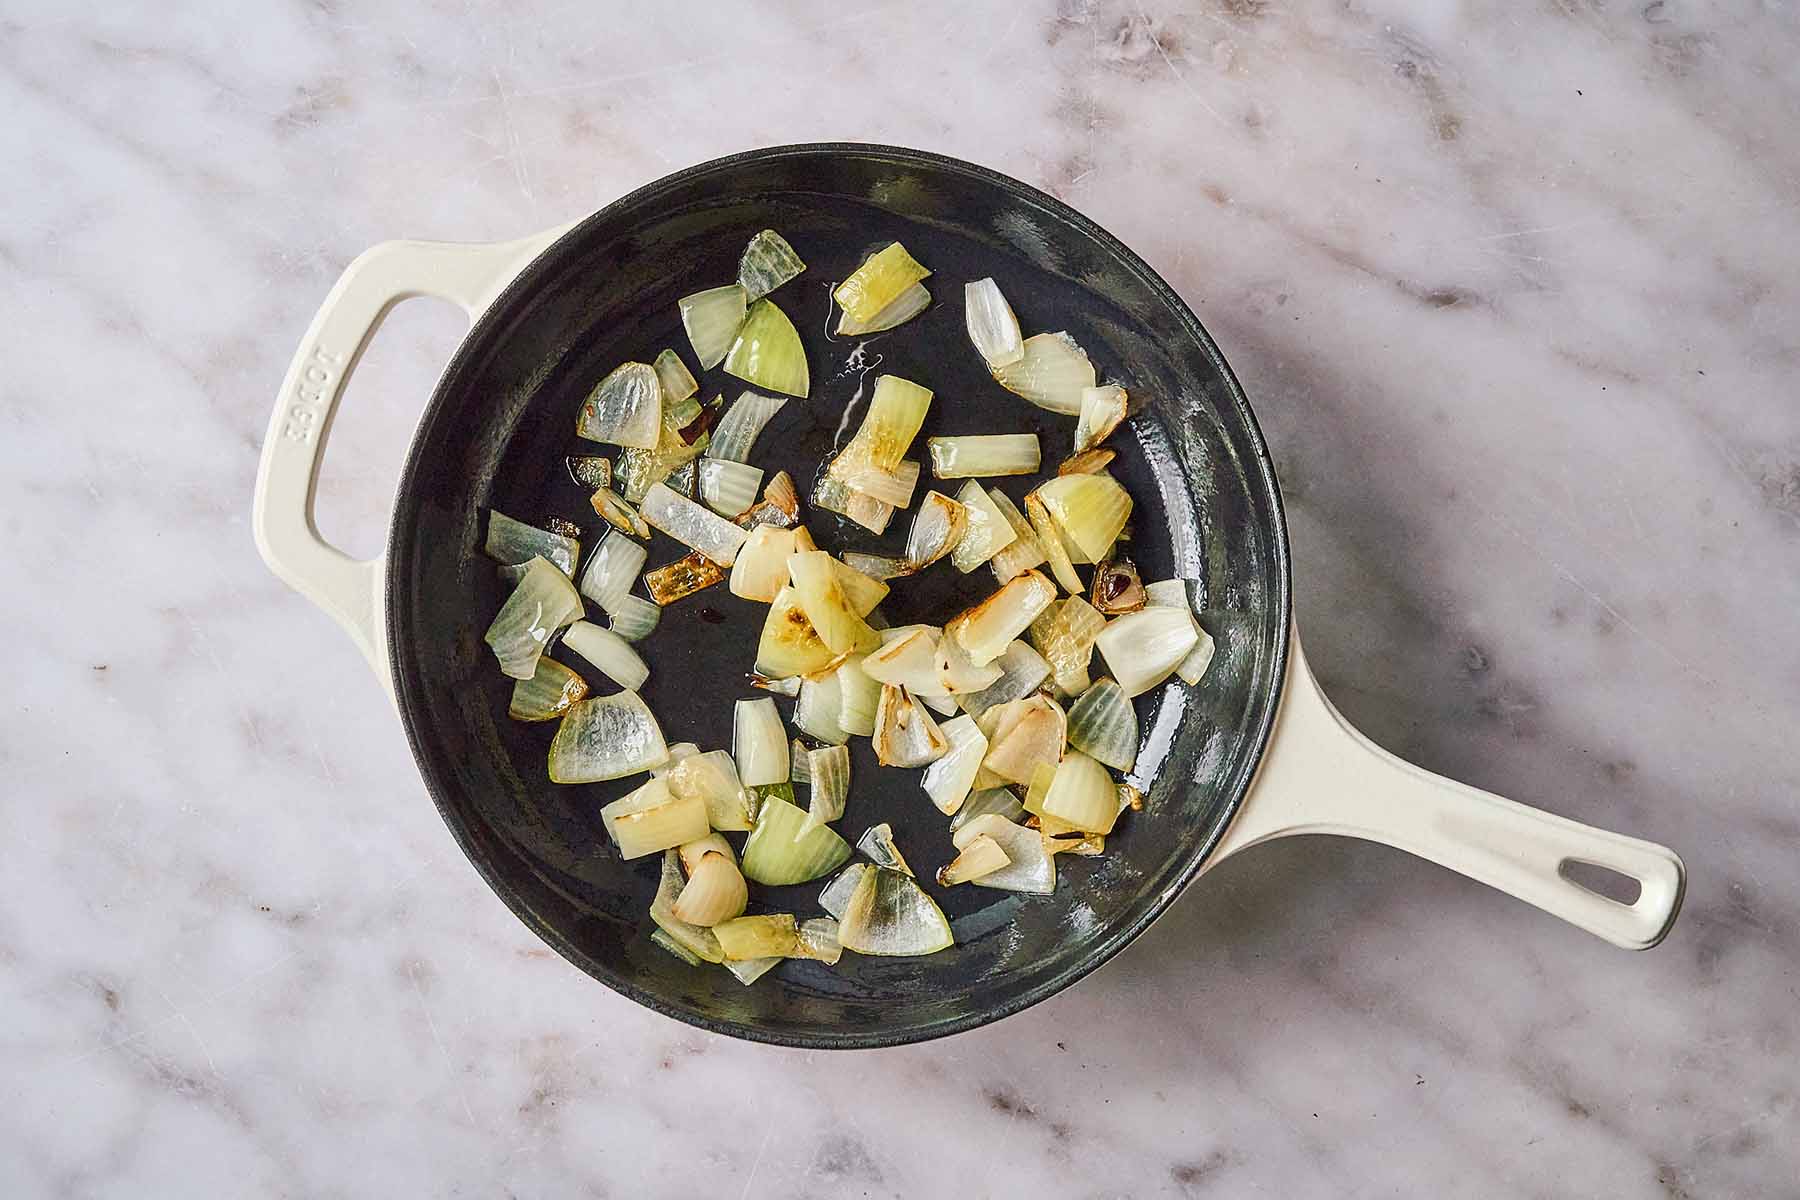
(348, 589)
(1320, 775)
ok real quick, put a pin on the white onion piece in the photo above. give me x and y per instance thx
(1052, 373)
(697, 940)
(749, 970)
(985, 454)
(894, 488)
(943, 706)
(816, 712)
(513, 543)
(947, 780)
(768, 352)
(712, 778)
(677, 753)
(898, 311)
(728, 488)
(692, 525)
(612, 569)
(936, 529)
(905, 734)
(835, 899)
(737, 430)
(820, 590)
(1029, 733)
(987, 533)
(986, 629)
(767, 263)
(1066, 640)
(999, 801)
(676, 948)
(766, 935)
(877, 843)
(1089, 511)
(897, 409)
(991, 324)
(1102, 408)
(543, 602)
(782, 850)
(619, 513)
(625, 408)
(606, 738)
(1193, 668)
(862, 592)
(759, 743)
(715, 892)
(609, 652)
(859, 698)
(907, 658)
(957, 674)
(889, 914)
(650, 819)
(789, 645)
(1103, 725)
(976, 856)
(877, 566)
(1050, 542)
(1143, 648)
(1082, 794)
(711, 319)
(589, 471)
(1025, 552)
(834, 495)
(881, 278)
(633, 617)
(1022, 671)
(548, 694)
(678, 383)
(829, 787)
(1030, 866)
(817, 939)
(760, 571)
(1173, 593)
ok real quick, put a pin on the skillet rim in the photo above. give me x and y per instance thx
(412, 708)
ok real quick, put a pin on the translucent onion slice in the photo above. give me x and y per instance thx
(650, 819)
(612, 569)
(697, 940)
(835, 899)
(829, 786)
(758, 743)
(751, 969)
(548, 694)
(877, 844)
(985, 454)
(676, 948)
(877, 566)
(1025, 551)
(640, 469)
(878, 282)
(711, 319)
(1030, 867)
(890, 915)
(677, 752)
(943, 706)
(513, 543)
(609, 652)
(767, 263)
(991, 324)
(1103, 725)
(1082, 794)
(619, 514)
(712, 778)
(728, 488)
(986, 629)
(905, 734)
(987, 531)
(818, 940)
(625, 408)
(1050, 542)
(779, 853)
(1030, 733)
(1193, 668)
(897, 409)
(1066, 640)
(543, 602)
(816, 711)
(948, 779)
(957, 674)
(820, 592)
(688, 574)
(678, 383)
(589, 471)
(782, 494)
(1102, 409)
(1173, 593)
(860, 591)
(978, 855)
(859, 698)
(798, 767)
(1088, 462)
(743, 422)
(1052, 373)
(771, 935)
(715, 892)
(789, 645)
(692, 525)
(1060, 837)
(997, 801)
(907, 658)
(633, 617)
(788, 686)
(1022, 671)
(939, 525)
(607, 737)
(1117, 588)
(1089, 511)
(901, 309)
(768, 352)
(1143, 648)
(894, 488)
(760, 571)
(834, 495)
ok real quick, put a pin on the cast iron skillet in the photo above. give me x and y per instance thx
(558, 310)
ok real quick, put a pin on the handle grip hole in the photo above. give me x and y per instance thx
(1602, 881)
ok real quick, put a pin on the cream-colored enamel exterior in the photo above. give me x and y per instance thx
(1318, 774)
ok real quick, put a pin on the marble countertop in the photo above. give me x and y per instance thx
(1513, 288)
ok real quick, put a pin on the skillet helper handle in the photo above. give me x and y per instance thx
(1320, 775)
(350, 590)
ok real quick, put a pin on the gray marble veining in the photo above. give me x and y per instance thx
(1514, 290)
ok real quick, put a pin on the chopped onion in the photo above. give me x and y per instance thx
(543, 602)
(1143, 648)
(743, 422)
(878, 282)
(1053, 373)
(943, 706)
(783, 495)
(606, 738)
(1103, 725)
(834, 495)
(1117, 588)
(957, 674)
(715, 892)
(859, 697)
(877, 842)
(835, 899)
(1102, 408)
(611, 570)
(651, 819)
(987, 533)
(1066, 640)
(1089, 511)
(890, 915)
(789, 645)
(820, 592)
(893, 488)
(1041, 779)
(986, 629)
(901, 309)
(947, 780)
(1022, 672)
(1088, 462)
(697, 940)
(1082, 794)
(761, 568)
(609, 652)
(977, 856)
(991, 324)
(711, 319)
(1029, 733)
(768, 351)
(712, 778)
(751, 969)
(984, 454)
(816, 712)
(1173, 593)
(897, 408)
(936, 529)
(633, 617)
(767, 263)
(692, 525)
(829, 786)
(677, 752)
(788, 686)
(690, 573)
(758, 743)
(905, 735)
(678, 383)
(995, 800)
(625, 408)
(640, 469)
(548, 694)
(1193, 668)
(676, 948)
(1030, 867)
(818, 940)
(727, 487)
(774, 935)
(1050, 542)
(781, 850)
(1024, 552)
(619, 514)
(589, 471)
(513, 543)
(907, 658)
(1060, 837)
(877, 566)
(861, 591)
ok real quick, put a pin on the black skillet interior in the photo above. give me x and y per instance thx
(495, 435)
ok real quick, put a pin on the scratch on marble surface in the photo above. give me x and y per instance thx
(756, 1163)
(412, 973)
(1176, 71)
